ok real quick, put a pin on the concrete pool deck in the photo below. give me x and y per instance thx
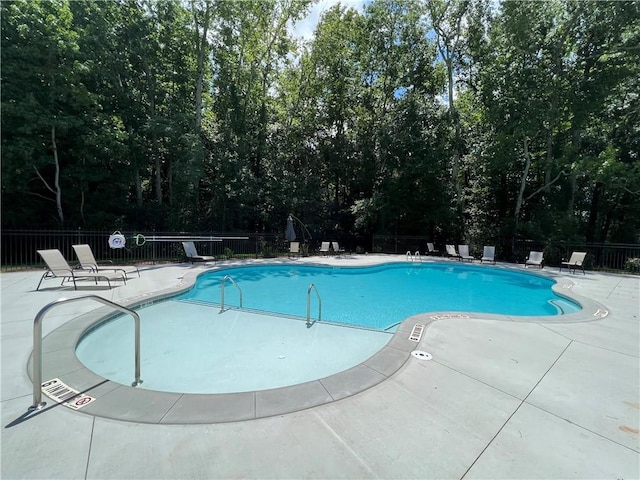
(499, 399)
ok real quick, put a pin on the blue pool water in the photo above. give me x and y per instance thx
(188, 346)
(379, 297)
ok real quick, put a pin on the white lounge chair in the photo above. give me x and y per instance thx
(336, 248)
(489, 254)
(88, 262)
(576, 261)
(294, 248)
(534, 258)
(59, 268)
(431, 249)
(451, 251)
(192, 254)
(324, 248)
(463, 250)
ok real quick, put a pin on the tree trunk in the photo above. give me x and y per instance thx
(455, 167)
(57, 175)
(572, 193)
(593, 213)
(138, 190)
(201, 50)
(158, 177)
(523, 181)
(548, 162)
(575, 147)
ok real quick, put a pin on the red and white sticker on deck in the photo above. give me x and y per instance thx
(58, 391)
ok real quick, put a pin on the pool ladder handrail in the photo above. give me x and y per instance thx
(309, 322)
(37, 343)
(414, 257)
(224, 280)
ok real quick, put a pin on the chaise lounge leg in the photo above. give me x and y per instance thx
(40, 282)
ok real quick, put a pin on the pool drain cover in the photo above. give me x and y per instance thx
(419, 354)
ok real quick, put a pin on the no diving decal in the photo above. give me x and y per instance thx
(56, 390)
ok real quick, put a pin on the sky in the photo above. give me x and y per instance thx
(304, 28)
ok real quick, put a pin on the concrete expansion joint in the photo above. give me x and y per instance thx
(506, 422)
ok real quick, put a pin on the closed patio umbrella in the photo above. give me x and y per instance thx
(290, 234)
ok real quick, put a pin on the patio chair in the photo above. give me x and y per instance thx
(463, 250)
(192, 254)
(336, 248)
(59, 268)
(294, 248)
(451, 251)
(431, 249)
(535, 258)
(324, 248)
(489, 254)
(88, 262)
(576, 261)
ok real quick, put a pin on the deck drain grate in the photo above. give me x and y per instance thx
(419, 354)
(416, 332)
(62, 393)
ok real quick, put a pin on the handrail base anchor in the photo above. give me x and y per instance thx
(36, 407)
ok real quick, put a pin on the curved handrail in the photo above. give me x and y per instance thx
(313, 287)
(224, 280)
(37, 343)
(414, 257)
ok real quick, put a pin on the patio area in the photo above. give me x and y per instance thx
(501, 398)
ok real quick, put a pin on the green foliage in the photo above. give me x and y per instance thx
(445, 119)
(632, 264)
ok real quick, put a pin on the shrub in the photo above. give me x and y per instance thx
(632, 264)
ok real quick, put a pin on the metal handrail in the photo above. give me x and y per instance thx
(228, 277)
(313, 287)
(37, 343)
(414, 257)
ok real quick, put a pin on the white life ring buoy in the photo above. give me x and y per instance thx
(117, 240)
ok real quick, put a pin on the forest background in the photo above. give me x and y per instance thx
(459, 120)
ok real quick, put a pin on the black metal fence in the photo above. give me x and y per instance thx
(608, 257)
(19, 248)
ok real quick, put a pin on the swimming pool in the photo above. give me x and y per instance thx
(380, 297)
(189, 347)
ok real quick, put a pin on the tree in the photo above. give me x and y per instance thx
(447, 20)
(43, 100)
